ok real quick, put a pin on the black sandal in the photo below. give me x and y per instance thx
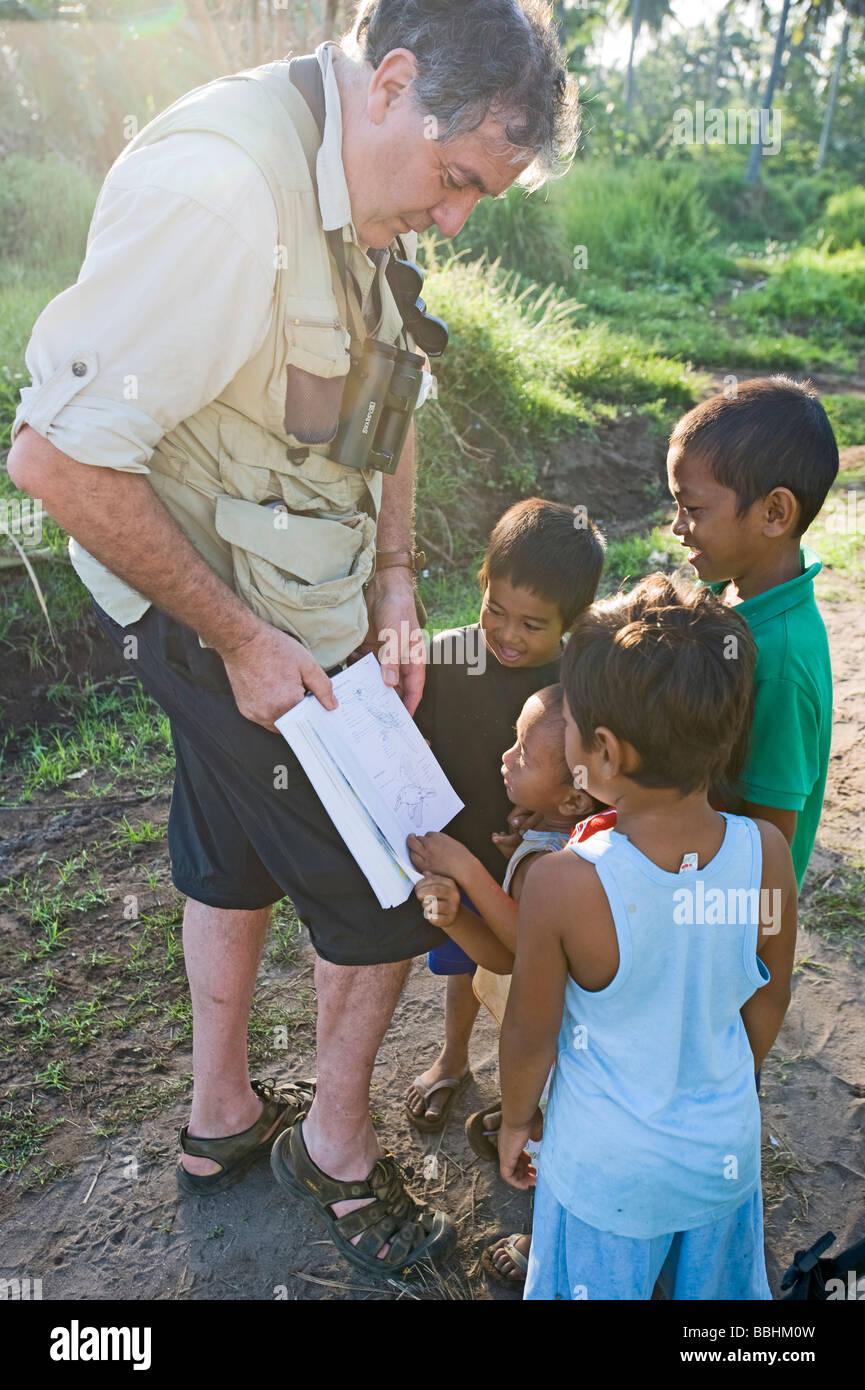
(415, 1232)
(236, 1153)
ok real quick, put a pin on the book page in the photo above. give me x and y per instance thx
(408, 792)
(378, 754)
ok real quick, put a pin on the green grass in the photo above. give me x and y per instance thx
(284, 938)
(120, 736)
(45, 208)
(664, 270)
(835, 907)
(838, 532)
(452, 599)
(130, 836)
(843, 221)
(822, 292)
(847, 417)
(630, 559)
(24, 1137)
(49, 909)
(641, 222)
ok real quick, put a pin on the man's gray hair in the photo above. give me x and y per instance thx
(479, 58)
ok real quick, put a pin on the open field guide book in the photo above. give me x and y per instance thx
(374, 773)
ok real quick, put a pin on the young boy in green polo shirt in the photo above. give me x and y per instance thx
(749, 473)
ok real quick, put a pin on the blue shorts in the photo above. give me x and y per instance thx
(451, 959)
(572, 1260)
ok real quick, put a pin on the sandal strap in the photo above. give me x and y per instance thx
(230, 1147)
(394, 1216)
(448, 1083)
(510, 1248)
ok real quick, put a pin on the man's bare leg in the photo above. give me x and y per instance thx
(222, 950)
(355, 1007)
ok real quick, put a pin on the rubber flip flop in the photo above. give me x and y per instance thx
(509, 1245)
(456, 1085)
(478, 1133)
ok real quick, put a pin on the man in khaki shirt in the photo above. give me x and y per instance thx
(430, 107)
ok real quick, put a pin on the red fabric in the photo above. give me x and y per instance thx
(604, 820)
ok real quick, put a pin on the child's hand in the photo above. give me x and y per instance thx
(519, 821)
(506, 844)
(522, 819)
(515, 1164)
(436, 853)
(441, 900)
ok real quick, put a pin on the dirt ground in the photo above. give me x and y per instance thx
(98, 1216)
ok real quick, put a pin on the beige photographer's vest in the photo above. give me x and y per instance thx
(301, 567)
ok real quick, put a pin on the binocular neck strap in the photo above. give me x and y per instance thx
(305, 75)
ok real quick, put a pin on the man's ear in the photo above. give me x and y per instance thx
(781, 513)
(390, 82)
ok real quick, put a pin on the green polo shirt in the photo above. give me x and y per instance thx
(788, 756)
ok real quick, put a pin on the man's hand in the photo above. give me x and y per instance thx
(394, 634)
(438, 853)
(270, 673)
(515, 1164)
(440, 898)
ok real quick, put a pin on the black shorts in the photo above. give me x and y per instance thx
(246, 827)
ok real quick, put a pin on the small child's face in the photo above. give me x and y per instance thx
(531, 768)
(520, 628)
(721, 544)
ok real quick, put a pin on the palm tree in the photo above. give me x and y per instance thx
(652, 13)
(753, 172)
(852, 8)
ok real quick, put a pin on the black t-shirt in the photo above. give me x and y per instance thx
(469, 718)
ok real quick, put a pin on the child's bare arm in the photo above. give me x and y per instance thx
(440, 898)
(785, 820)
(438, 853)
(764, 1012)
(527, 1048)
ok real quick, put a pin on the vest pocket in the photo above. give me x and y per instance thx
(317, 364)
(303, 574)
(249, 456)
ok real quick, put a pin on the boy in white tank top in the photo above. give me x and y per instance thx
(653, 967)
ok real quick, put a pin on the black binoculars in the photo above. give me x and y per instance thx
(384, 382)
(406, 281)
(381, 392)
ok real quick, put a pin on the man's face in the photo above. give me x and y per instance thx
(401, 179)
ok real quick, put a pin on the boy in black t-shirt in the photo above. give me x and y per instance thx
(540, 572)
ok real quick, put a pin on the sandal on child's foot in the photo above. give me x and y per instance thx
(482, 1138)
(454, 1085)
(510, 1247)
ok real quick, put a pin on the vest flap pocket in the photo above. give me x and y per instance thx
(316, 551)
(316, 340)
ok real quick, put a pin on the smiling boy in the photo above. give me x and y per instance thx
(749, 475)
(540, 572)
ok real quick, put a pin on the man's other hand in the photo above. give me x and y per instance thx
(395, 634)
(271, 672)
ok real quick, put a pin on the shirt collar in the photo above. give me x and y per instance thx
(334, 202)
(783, 597)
